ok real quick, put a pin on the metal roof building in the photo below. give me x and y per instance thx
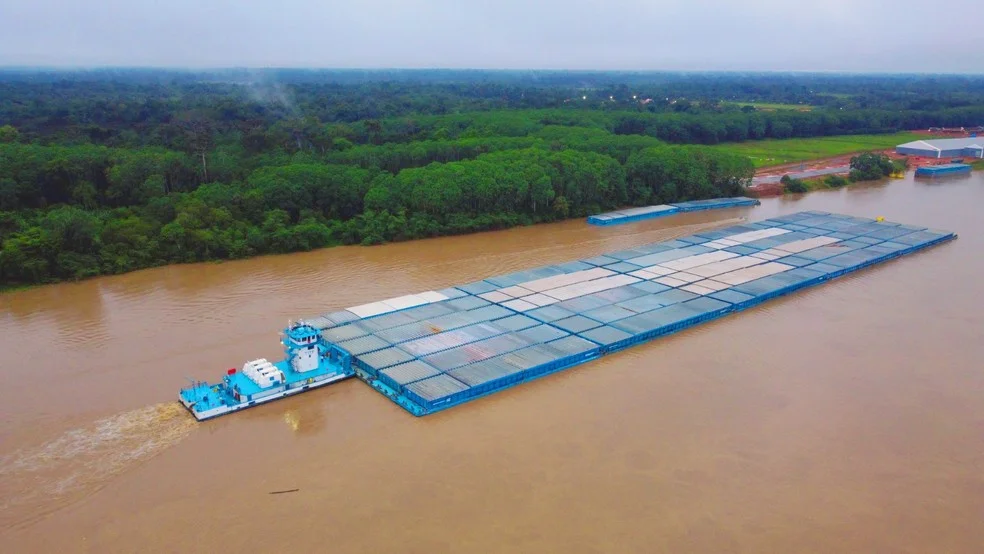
(944, 148)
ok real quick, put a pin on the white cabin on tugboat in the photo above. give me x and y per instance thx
(302, 348)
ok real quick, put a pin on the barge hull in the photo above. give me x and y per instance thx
(222, 410)
(943, 170)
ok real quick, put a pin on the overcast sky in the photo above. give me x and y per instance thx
(811, 35)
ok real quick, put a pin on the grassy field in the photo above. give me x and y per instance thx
(766, 153)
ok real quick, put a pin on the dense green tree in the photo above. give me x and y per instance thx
(790, 184)
(671, 174)
(8, 133)
(870, 166)
(8, 194)
(27, 256)
(337, 191)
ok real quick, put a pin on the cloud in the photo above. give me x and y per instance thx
(859, 35)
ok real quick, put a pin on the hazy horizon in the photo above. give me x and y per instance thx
(205, 69)
(837, 36)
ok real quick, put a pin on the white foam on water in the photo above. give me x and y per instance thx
(39, 480)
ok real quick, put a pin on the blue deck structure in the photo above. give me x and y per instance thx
(431, 351)
(309, 363)
(715, 204)
(631, 215)
(941, 170)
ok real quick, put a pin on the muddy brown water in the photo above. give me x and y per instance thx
(845, 418)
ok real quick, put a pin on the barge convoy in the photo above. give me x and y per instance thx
(438, 349)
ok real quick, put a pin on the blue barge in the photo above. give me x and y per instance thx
(941, 170)
(631, 215)
(434, 350)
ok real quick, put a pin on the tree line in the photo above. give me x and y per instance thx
(296, 110)
(75, 212)
(113, 170)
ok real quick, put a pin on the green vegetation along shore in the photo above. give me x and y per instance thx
(98, 210)
(108, 172)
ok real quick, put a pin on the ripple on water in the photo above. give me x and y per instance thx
(39, 480)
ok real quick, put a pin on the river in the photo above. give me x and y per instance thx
(845, 418)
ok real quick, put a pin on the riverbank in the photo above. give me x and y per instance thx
(4, 289)
(825, 183)
(832, 180)
(815, 173)
(305, 205)
(270, 213)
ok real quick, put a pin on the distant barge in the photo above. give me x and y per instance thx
(433, 350)
(631, 215)
(941, 170)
